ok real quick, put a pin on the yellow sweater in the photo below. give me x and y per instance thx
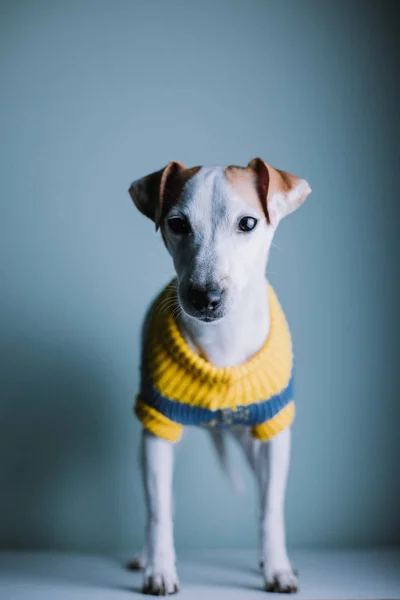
(180, 388)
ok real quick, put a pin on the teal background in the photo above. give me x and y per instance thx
(95, 94)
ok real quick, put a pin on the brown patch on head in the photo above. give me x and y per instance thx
(280, 192)
(244, 181)
(156, 193)
(173, 187)
(276, 192)
(262, 175)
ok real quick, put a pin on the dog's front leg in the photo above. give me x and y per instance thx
(272, 470)
(160, 576)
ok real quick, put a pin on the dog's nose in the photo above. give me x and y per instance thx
(203, 299)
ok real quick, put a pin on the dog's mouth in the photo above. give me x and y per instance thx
(205, 318)
(202, 317)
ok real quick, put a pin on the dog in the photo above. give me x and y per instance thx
(208, 343)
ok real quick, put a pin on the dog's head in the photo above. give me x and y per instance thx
(217, 223)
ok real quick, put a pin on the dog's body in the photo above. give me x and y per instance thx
(218, 224)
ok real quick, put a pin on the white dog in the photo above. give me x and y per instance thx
(216, 346)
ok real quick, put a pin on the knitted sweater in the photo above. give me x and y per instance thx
(180, 388)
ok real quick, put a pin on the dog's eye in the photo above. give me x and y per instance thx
(247, 224)
(178, 225)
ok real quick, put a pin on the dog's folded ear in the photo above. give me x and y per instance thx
(153, 193)
(280, 193)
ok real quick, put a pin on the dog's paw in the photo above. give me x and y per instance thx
(261, 565)
(160, 582)
(138, 562)
(281, 582)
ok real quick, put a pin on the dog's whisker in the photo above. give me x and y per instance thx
(167, 308)
(168, 298)
(167, 301)
(168, 304)
(177, 311)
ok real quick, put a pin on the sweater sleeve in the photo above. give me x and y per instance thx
(278, 423)
(157, 423)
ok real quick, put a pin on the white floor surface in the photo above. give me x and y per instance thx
(223, 575)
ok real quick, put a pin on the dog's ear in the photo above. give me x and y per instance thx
(280, 193)
(154, 193)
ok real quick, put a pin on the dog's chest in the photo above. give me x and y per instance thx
(229, 344)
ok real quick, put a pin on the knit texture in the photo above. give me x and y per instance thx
(180, 388)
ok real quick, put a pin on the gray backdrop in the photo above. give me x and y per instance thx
(95, 94)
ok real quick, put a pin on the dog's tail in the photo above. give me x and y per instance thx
(218, 438)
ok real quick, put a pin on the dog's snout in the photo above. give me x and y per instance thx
(205, 299)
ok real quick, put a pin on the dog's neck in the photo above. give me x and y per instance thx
(237, 337)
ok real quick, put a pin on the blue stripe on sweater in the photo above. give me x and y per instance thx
(186, 414)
